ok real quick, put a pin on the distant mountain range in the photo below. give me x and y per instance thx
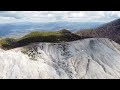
(19, 29)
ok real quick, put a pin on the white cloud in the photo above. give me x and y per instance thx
(7, 19)
(50, 16)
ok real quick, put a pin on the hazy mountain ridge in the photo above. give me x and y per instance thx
(109, 30)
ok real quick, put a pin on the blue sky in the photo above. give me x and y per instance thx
(53, 16)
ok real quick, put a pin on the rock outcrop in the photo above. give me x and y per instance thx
(91, 58)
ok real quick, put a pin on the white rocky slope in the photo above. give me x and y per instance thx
(83, 59)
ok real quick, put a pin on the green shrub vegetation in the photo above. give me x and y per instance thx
(7, 43)
(53, 37)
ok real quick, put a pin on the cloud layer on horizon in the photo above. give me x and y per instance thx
(53, 16)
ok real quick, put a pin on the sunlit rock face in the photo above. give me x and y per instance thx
(83, 59)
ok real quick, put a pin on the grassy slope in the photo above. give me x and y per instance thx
(53, 37)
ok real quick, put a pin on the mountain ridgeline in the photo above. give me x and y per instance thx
(109, 30)
(33, 37)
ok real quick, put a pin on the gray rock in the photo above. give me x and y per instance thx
(91, 58)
